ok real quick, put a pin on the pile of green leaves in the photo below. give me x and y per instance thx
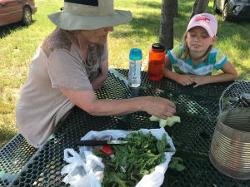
(133, 160)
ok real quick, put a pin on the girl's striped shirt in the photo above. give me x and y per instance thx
(215, 60)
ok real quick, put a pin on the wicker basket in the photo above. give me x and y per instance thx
(230, 146)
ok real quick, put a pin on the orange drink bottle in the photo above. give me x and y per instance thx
(156, 62)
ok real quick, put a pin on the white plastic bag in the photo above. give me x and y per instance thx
(84, 170)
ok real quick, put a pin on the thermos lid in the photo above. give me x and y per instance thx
(158, 47)
(135, 54)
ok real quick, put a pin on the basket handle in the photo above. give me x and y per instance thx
(221, 104)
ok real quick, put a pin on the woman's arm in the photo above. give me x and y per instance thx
(87, 101)
(98, 82)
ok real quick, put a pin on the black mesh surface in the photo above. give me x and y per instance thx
(197, 107)
(45, 168)
(13, 157)
(200, 173)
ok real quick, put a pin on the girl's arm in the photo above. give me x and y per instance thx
(181, 79)
(229, 74)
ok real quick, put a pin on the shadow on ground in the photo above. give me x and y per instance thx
(5, 136)
(8, 29)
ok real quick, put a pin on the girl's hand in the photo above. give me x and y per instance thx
(201, 80)
(185, 80)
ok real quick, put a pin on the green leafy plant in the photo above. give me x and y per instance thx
(177, 164)
(131, 161)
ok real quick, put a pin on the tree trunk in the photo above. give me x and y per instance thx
(175, 10)
(200, 6)
(167, 23)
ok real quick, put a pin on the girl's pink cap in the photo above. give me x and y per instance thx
(206, 21)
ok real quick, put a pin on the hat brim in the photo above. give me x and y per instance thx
(204, 26)
(68, 21)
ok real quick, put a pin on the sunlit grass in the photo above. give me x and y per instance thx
(18, 45)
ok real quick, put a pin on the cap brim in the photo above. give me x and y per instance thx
(69, 21)
(204, 26)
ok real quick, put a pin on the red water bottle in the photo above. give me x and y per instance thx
(156, 62)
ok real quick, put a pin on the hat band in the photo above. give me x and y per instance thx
(84, 2)
(104, 8)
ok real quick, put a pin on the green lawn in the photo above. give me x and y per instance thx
(19, 43)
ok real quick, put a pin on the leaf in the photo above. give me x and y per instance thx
(177, 164)
(162, 123)
(170, 121)
(162, 144)
(180, 167)
(154, 118)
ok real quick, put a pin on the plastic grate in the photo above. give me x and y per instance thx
(192, 135)
(45, 169)
(210, 90)
(13, 157)
(202, 101)
(200, 173)
(113, 89)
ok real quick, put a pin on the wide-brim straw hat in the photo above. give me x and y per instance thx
(89, 15)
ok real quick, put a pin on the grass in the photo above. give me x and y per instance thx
(18, 45)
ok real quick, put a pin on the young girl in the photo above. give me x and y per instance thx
(194, 61)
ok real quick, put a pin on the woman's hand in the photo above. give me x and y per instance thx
(158, 106)
(98, 82)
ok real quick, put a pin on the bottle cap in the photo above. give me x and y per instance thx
(135, 54)
(158, 47)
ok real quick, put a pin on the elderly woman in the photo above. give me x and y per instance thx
(69, 65)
